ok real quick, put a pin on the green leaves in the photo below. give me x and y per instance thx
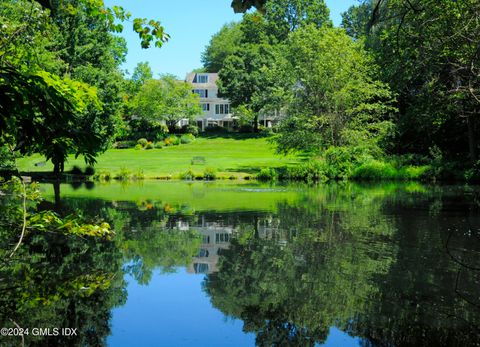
(150, 31)
(330, 77)
(50, 221)
(166, 99)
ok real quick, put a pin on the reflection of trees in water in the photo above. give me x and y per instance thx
(371, 261)
(55, 281)
(373, 265)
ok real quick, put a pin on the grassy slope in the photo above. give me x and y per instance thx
(233, 155)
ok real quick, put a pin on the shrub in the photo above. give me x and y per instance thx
(192, 129)
(89, 171)
(138, 146)
(188, 175)
(175, 140)
(267, 174)
(214, 129)
(159, 144)
(149, 145)
(379, 170)
(123, 175)
(142, 142)
(210, 174)
(266, 132)
(102, 176)
(411, 172)
(473, 174)
(339, 162)
(76, 170)
(142, 128)
(124, 144)
(375, 170)
(189, 129)
(172, 141)
(139, 175)
(187, 138)
(311, 171)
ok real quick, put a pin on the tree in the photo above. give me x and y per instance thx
(243, 78)
(221, 45)
(431, 58)
(142, 73)
(42, 41)
(42, 113)
(166, 99)
(244, 5)
(335, 97)
(285, 16)
(356, 20)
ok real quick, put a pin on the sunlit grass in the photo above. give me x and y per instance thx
(228, 156)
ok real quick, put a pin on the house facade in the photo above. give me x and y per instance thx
(216, 111)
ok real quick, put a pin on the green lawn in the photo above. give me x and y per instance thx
(237, 156)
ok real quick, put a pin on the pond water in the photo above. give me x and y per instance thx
(228, 264)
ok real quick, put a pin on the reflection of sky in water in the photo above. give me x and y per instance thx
(172, 310)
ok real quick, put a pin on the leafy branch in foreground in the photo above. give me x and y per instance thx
(149, 30)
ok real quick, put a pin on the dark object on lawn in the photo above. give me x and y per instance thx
(198, 161)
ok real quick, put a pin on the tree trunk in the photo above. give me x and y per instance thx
(56, 190)
(472, 141)
(56, 168)
(255, 124)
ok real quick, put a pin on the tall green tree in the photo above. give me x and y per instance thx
(168, 100)
(429, 55)
(357, 19)
(221, 45)
(51, 54)
(285, 16)
(142, 73)
(436, 50)
(335, 99)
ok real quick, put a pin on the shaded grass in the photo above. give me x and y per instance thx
(233, 155)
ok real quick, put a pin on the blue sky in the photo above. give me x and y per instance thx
(191, 24)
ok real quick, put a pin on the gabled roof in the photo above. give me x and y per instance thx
(212, 79)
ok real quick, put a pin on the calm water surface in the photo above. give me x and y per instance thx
(223, 264)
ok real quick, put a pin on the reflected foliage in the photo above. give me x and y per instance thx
(394, 265)
(56, 281)
(371, 262)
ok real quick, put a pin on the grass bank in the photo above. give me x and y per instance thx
(228, 155)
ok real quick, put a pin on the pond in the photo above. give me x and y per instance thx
(229, 264)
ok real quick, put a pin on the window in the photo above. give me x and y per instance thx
(222, 238)
(200, 268)
(202, 78)
(202, 92)
(222, 109)
(205, 107)
(203, 253)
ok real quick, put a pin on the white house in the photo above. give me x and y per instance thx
(216, 110)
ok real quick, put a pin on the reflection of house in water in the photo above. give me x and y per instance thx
(215, 238)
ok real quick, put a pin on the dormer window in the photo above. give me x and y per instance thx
(202, 78)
